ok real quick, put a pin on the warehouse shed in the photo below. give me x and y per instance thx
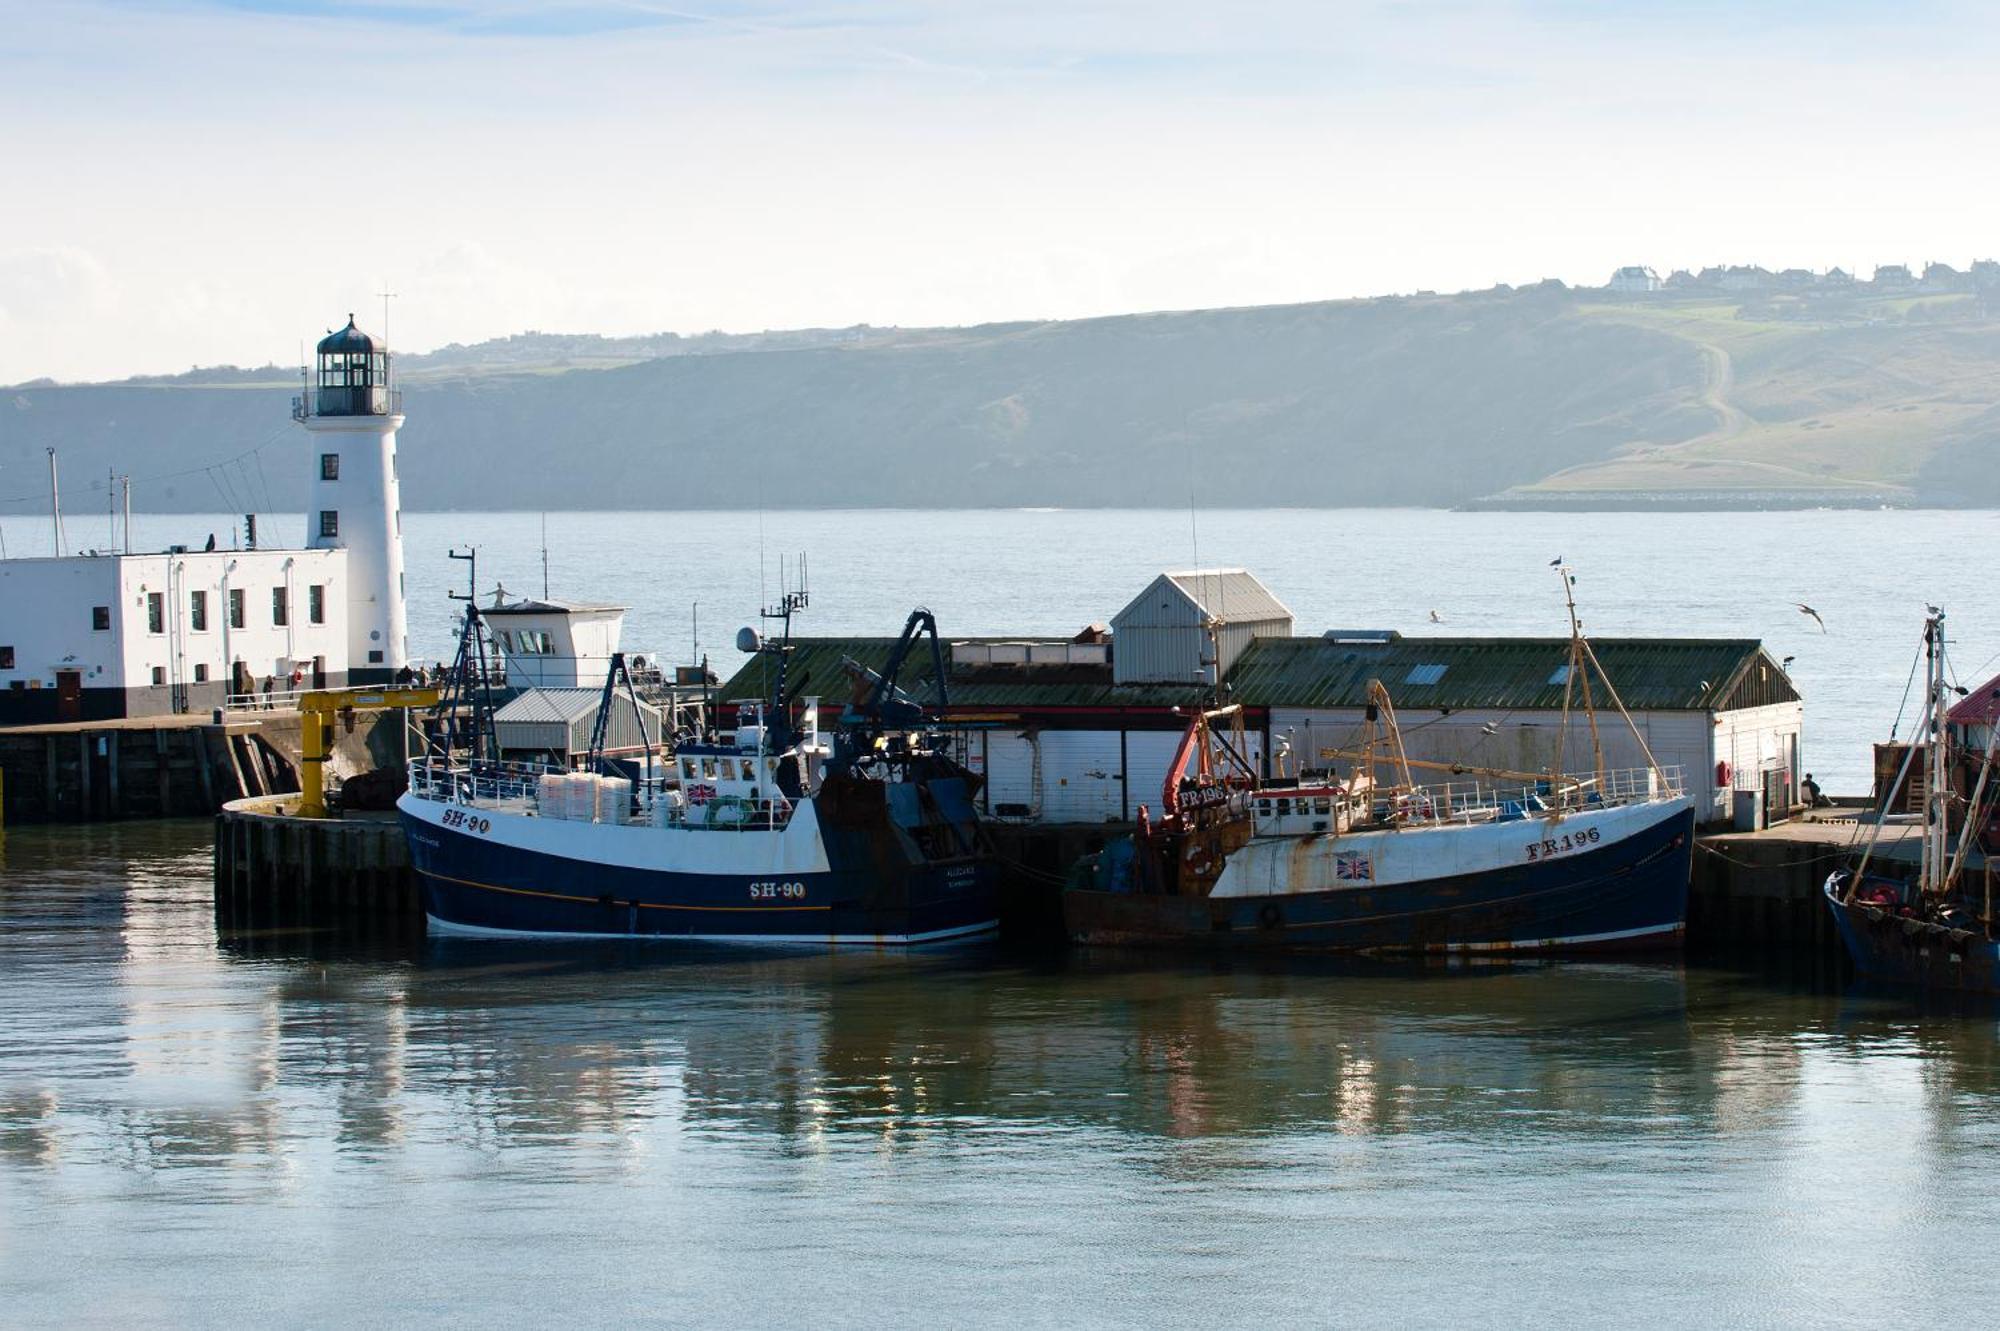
(1163, 636)
(1721, 710)
(554, 725)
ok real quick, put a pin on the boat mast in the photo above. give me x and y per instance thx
(1937, 779)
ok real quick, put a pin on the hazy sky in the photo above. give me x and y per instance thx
(198, 181)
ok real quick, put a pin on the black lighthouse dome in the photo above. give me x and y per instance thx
(351, 340)
(353, 375)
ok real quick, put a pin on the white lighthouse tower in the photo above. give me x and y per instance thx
(352, 415)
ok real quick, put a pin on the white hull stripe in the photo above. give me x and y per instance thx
(1572, 940)
(447, 928)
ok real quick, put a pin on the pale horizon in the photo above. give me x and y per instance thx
(215, 181)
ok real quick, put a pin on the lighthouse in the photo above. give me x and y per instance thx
(352, 414)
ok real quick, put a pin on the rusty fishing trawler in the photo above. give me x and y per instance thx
(1474, 861)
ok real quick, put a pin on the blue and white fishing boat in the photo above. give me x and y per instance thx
(1484, 861)
(773, 834)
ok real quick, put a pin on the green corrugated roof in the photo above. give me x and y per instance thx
(981, 686)
(1651, 674)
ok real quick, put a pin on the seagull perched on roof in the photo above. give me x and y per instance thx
(1805, 609)
(1786, 664)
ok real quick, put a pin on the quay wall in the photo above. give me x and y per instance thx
(274, 869)
(176, 768)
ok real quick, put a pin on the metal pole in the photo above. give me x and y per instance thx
(127, 547)
(55, 503)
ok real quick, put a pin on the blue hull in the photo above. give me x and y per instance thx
(474, 886)
(1884, 946)
(1631, 895)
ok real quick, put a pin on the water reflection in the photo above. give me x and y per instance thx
(132, 1016)
(281, 1068)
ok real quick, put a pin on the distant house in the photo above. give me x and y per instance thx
(1745, 277)
(1632, 280)
(1680, 280)
(1838, 277)
(1796, 278)
(1893, 276)
(1710, 276)
(1985, 273)
(1943, 277)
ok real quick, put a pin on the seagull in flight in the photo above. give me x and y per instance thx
(1805, 609)
(1436, 618)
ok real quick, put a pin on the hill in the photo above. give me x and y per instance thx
(1532, 397)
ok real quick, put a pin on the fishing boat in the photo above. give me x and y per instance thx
(774, 833)
(1476, 860)
(1928, 919)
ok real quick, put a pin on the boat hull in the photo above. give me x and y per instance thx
(481, 874)
(1628, 895)
(1885, 946)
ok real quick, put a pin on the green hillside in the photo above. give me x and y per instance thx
(1535, 396)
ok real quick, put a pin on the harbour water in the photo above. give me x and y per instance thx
(314, 1129)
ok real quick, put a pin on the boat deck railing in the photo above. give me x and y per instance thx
(517, 787)
(1283, 812)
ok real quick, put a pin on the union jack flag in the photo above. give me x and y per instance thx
(1353, 869)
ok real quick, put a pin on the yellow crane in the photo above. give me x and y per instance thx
(317, 710)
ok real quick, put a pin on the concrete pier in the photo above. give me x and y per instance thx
(171, 766)
(273, 868)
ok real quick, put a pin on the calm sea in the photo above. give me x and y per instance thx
(203, 1129)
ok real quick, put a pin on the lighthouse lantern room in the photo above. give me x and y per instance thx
(352, 412)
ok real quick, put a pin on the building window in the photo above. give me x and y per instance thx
(6, 658)
(100, 618)
(159, 675)
(375, 658)
(156, 612)
(201, 672)
(198, 611)
(236, 607)
(281, 607)
(329, 522)
(316, 603)
(329, 466)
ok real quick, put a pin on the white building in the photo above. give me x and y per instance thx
(101, 635)
(1634, 280)
(1190, 627)
(555, 644)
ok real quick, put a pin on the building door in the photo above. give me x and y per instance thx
(69, 695)
(319, 672)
